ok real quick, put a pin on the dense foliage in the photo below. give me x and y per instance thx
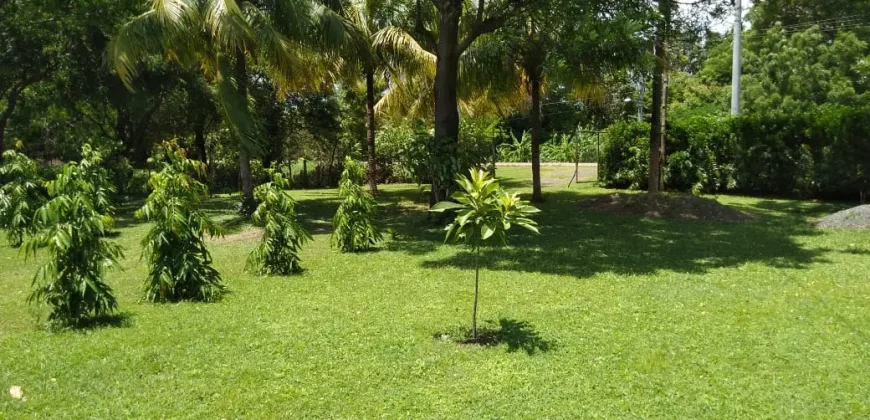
(283, 236)
(73, 228)
(802, 131)
(180, 266)
(578, 146)
(354, 224)
(484, 212)
(21, 194)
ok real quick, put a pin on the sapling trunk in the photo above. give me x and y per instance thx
(476, 283)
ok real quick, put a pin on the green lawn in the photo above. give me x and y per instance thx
(601, 316)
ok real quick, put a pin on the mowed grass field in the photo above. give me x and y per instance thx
(600, 316)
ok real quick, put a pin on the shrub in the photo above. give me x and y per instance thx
(278, 252)
(180, 264)
(72, 228)
(354, 222)
(560, 148)
(21, 195)
(516, 150)
(570, 147)
(402, 154)
(625, 158)
(484, 212)
(775, 154)
(843, 168)
(137, 185)
(407, 154)
(700, 156)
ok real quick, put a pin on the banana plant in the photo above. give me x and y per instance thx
(484, 212)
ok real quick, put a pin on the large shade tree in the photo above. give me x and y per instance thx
(565, 44)
(447, 29)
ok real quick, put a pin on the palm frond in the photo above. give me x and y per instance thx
(236, 110)
(226, 22)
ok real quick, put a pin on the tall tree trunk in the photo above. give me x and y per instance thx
(537, 131)
(659, 105)
(370, 130)
(446, 98)
(199, 139)
(6, 115)
(241, 74)
(138, 134)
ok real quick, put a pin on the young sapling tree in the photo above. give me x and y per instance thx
(484, 212)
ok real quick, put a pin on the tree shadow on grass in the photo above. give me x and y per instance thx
(582, 243)
(800, 211)
(515, 335)
(116, 320)
(399, 210)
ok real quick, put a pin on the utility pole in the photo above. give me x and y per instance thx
(737, 59)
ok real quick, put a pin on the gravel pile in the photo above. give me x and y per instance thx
(854, 218)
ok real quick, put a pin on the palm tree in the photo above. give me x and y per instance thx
(567, 44)
(222, 37)
(362, 21)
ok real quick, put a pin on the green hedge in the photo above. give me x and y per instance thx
(823, 153)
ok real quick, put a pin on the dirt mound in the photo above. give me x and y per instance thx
(666, 206)
(857, 218)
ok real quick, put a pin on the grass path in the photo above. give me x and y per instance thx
(603, 316)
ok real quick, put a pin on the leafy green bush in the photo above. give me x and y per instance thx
(72, 227)
(180, 266)
(580, 146)
(774, 154)
(700, 155)
(409, 154)
(21, 195)
(354, 222)
(402, 154)
(517, 149)
(137, 185)
(560, 148)
(625, 156)
(484, 212)
(701, 152)
(278, 252)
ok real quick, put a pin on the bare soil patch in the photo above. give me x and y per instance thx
(666, 206)
(245, 235)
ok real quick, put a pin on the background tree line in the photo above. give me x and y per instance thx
(802, 130)
(422, 89)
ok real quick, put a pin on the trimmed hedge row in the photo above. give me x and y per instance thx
(825, 153)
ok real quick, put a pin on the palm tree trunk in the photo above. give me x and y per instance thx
(370, 130)
(659, 111)
(537, 133)
(247, 184)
